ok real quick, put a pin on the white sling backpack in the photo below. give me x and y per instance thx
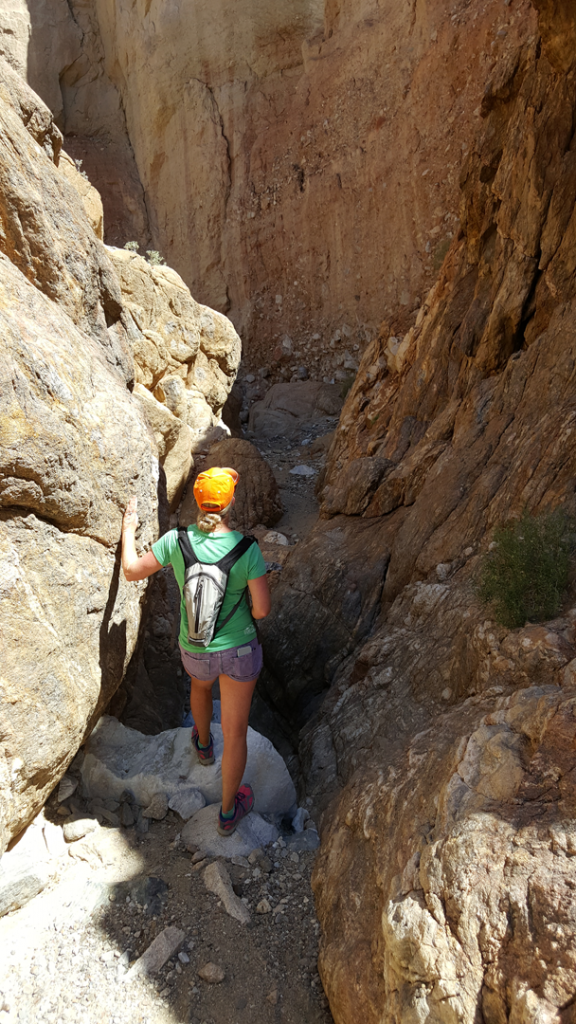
(204, 589)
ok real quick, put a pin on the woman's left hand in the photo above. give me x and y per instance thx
(130, 518)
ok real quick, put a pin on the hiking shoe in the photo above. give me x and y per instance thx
(205, 754)
(243, 804)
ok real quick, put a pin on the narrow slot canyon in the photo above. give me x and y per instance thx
(332, 246)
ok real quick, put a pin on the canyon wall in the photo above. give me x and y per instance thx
(299, 167)
(111, 377)
(441, 759)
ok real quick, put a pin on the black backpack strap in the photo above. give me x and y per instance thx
(230, 559)
(186, 548)
(236, 553)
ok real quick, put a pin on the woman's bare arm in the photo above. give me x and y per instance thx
(135, 568)
(260, 595)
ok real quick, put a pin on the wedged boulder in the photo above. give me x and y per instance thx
(257, 495)
(287, 408)
(118, 759)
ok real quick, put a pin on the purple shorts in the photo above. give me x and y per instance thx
(241, 663)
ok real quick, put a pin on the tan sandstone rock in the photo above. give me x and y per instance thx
(91, 199)
(73, 445)
(185, 353)
(174, 440)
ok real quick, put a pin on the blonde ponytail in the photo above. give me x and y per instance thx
(209, 521)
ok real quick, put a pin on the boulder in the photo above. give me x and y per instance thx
(288, 408)
(257, 495)
(119, 760)
(26, 869)
(201, 833)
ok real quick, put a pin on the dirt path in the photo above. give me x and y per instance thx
(66, 956)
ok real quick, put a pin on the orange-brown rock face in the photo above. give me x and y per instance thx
(446, 871)
(300, 164)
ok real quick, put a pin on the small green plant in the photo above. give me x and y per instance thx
(132, 246)
(525, 574)
(155, 258)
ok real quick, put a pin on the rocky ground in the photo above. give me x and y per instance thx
(305, 452)
(69, 955)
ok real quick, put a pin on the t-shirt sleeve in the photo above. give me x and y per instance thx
(256, 563)
(163, 549)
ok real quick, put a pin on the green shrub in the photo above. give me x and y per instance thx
(132, 246)
(154, 257)
(525, 575)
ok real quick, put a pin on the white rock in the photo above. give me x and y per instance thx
(273, 537)
(186, 801)
(118, 758)
(299, 818)
(159, 951)
(25, 869)
(67, 786)
(263, 907)
(75, 830)
(201, 833)
(303, 471)
(217, 880)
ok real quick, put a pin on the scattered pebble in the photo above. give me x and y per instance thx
(212, 973)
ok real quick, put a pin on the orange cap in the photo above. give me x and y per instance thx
(214, 488)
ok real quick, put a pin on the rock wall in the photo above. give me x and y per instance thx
(299, 166)
(80, 323)
(442, 881)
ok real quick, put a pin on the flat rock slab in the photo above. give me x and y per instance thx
(201, 833)
(120, 760)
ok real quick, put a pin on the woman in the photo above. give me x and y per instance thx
(234, 655)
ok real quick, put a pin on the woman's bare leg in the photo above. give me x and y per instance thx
(201, 707)
(236, 699)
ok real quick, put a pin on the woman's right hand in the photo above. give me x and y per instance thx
(130, 518)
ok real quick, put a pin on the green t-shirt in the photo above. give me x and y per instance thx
(209, 548)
